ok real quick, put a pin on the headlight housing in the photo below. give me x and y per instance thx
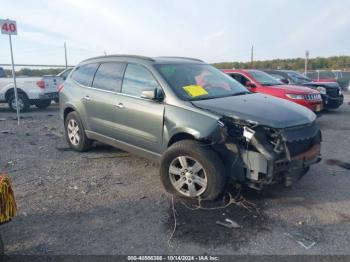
(294, 96)
(322, 90)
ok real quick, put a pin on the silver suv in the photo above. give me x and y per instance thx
(204, 127)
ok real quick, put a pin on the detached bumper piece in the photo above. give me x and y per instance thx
(287, 158)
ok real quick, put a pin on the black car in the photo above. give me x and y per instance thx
(332, 95)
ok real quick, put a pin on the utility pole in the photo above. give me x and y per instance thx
(14, 81)
(307, 54)
(65, 54)
(252, 57)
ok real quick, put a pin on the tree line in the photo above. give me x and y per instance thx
(333, 62)
(35, 72)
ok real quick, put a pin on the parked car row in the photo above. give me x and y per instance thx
(260, 82)
(325, 95)
(38, 91)
(338, 76)
(204, 126)
(331, 92)
(291, 86)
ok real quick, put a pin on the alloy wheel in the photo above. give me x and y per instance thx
(188, 176)
(73, 132)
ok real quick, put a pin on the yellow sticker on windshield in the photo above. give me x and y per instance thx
(195, 90)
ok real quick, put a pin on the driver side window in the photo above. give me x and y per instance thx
(137, 79)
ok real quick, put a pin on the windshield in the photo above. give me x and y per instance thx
(264, 78)
(327, 74)
(199, 81)
(298, 78)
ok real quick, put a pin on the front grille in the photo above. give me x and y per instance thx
(312, 97)
(333, 92)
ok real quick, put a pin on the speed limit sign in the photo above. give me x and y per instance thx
(8, 27)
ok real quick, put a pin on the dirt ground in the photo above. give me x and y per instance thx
(107, 201)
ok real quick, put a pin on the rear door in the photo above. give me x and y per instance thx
(102, 99)
(83, 76)
(141, 120)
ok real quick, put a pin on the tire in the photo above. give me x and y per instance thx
(43, 104)
(80, 143)
(23, 102)
(212, 172)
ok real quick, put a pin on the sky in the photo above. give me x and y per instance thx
(212, 30)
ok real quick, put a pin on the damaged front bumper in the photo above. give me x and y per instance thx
(267, 156)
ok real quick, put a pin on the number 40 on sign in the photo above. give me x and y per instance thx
(8, 27)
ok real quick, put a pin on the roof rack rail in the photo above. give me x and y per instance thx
(182, 57)
(130, 56)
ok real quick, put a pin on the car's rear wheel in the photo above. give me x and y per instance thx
(191, 169)
(75, 133)
(43, 104)
(23, 102)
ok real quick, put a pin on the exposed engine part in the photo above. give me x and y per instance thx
(266, 154)
(259, 141)
(248, 133)
(256, 164)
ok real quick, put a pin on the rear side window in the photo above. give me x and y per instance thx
(84, 74)
(137, 79)
(109, 76)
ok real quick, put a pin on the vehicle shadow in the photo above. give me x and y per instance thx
(51, 109)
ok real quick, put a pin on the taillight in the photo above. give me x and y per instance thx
(60, 87)
(41, 84)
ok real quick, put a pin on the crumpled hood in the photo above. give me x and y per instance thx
(264, 109)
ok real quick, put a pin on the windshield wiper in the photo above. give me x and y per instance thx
(241, 93)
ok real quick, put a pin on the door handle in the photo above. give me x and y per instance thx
(120, 105)
(87, 98)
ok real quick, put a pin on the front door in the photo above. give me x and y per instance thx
(141, 120)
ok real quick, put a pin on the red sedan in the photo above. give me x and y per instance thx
(260, 82)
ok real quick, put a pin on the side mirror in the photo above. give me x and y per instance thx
(152, 94)
(250, 84)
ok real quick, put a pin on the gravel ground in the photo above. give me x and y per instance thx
(107, 201)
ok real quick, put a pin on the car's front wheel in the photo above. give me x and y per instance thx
(75, 133)
(191, 169)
